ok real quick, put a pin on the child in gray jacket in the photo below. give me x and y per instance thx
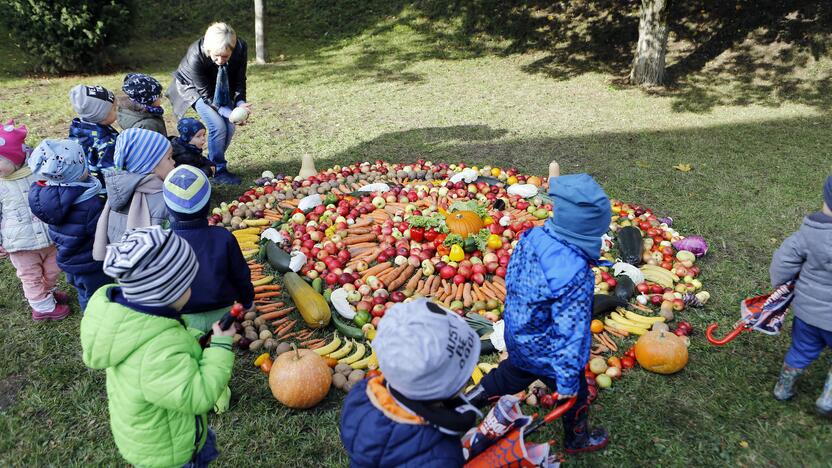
(807, 257)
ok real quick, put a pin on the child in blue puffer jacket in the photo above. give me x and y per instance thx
(66, 197)
(92, 129)
(548, 310)
(412, 415)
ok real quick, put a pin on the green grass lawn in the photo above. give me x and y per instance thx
(399, 89)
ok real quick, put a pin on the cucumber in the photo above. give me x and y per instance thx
(277, 257)
(347, 330)
(318, 285)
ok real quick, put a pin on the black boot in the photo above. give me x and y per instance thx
(478, 397)
(578, 437)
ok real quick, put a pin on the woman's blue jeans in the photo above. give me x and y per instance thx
(220, 132)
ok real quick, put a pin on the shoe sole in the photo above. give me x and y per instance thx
(44, 318)
(593, 448)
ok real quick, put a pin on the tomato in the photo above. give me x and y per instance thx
(430, 235)
(628, 362)
(266, 366)
(631, 352)
(417, 234)
(667, 265)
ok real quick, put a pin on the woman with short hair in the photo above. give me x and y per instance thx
(211, 79)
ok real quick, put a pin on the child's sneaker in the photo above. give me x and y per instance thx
(579, 437)
(784, 390)
(61, 297)
(59, 313)
(824, 403)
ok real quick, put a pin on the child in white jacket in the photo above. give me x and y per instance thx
(23, 237)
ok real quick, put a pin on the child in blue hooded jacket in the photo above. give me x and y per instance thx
(66, 197)
(806, 256)
(548, 309)
(93, 128)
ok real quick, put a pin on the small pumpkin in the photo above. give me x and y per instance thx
(661, 352)
(463, 222)
(299, 379)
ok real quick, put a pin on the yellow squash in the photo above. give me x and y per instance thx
(311, 305)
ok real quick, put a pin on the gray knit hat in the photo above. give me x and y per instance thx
(153, 266)
(91, 103)
(425, 352)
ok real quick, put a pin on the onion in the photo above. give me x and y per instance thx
(695, 244)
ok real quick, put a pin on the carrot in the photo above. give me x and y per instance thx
(311, 342)
(270, 307)
(446, 286)
(478, 293)
(279, 322)
(267, 287)
(390, 275)
(467, 300)
(402, 277)
(419, 286)
(317, 345)
(434, 285)
(616, 332)
(265, 295)
(293, 335)
(414, 281)
(458, 293)
(428, 289)
(284, 329)
(277, 314)
(351, 240)
(608, 342)
(376, 269)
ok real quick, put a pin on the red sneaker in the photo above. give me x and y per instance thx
(61, 297)
(59, 313)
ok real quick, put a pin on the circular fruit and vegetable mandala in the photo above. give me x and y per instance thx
(352, 241)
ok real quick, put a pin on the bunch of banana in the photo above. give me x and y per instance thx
(369, 362)
(357, 354)
(658, 275)
(248, 240)
(330, 347)
(343, 351)
(349, 352)
(631, 322)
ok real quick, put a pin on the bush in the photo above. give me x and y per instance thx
(64, 36)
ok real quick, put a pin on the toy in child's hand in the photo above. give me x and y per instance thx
(239, 115)
(225, 323)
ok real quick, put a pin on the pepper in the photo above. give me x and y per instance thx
(430, 235)
(488, 220)
(261, 359)
(456, 254)
(439, 240)
(494, 242)
(417, 234)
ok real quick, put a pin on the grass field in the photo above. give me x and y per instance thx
(397, 88)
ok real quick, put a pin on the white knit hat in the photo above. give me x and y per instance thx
(425, 352)
(153, 266)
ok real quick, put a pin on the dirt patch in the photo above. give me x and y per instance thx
(9, 389)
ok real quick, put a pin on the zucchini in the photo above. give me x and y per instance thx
(625, 288)
(318, 285)
(277, 257)
(603, 303)
(347, 330)
(630, 245)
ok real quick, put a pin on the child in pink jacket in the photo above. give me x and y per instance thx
(23, 237)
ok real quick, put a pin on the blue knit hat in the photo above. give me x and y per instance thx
(139, 150)
(187, 128)
(827, 192)
(186, 190)
(581, 212)
(141, 88)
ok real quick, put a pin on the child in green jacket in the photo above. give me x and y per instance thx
(160, 382)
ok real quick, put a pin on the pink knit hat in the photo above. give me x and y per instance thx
(11, 142)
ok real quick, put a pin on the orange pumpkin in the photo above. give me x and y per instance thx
(463, 222)
(661, 352)
(300, 378)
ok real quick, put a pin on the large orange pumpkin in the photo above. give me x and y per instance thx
(463, 222)
(661, 352)
(300, 378)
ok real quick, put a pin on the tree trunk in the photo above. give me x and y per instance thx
(648, 63)
(259, 33)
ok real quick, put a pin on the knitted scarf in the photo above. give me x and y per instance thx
(222, 93)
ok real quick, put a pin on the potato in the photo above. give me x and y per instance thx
(259, 321)
(252, 335)
(250, 316)
(660, 326)
(356, 376)
(246, 324)
(338, 380)
(263, 328)
(348, 386)
(237, 337)
(255, 345)
(343, 369)
(270, 344)
(282, 348)
(265, 334)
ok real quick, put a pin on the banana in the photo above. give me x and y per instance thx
(263, 281)
(486, 367)
(364, 363)
(329, 347)
(642, 319)
(343, 351)
(246, 232)
(355, 356)
(616, 317)
(619, 326)
(658, 275)
(477, 375)
(373, 363)
(661, 271)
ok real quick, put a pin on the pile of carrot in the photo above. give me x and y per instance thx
(273, 215)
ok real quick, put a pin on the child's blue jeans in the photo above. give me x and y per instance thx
(807, 343)
(220, 132)
(87, 284)
(207, 454)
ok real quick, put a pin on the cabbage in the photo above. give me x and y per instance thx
(695, 244)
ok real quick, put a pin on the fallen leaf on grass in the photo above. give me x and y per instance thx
(683, 167)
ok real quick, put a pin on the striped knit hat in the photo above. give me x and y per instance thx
(153, 266)
(186, 190)
(139, 150)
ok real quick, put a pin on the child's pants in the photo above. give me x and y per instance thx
(807, 343)
(508, 379)
(87, 284)
(38, 271)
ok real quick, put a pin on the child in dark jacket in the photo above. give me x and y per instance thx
(67, 198)
(413, 415)
(223, 271)
(806, 256)
(92, 129)
(548, 307)
(187, 147)
(142, 105)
